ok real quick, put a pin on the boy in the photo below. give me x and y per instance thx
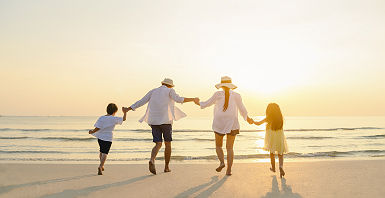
(103, 131)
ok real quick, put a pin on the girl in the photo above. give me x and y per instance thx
(275, 140)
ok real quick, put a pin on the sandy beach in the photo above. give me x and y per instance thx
(357, 178)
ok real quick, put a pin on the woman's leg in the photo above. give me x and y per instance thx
(230, 152)
(272, 161)
(219, 150)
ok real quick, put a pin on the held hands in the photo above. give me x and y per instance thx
(196, 101)
(126, 109)
(250, 121)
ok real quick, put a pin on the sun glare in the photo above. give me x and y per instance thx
(268, 69)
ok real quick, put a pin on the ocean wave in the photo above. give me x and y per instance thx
(327, 154)
(188, 130)
(336, 129)
(184, 139)
(67, 138)
(309, 138)
(13, 138)
(374, 136)
(29, 151)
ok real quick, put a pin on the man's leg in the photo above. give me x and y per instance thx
(167, 135)
(155, 151)
(157, 139)
(167, 156)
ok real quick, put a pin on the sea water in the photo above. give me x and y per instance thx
(66, 140)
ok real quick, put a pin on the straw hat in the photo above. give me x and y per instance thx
(226, 82)
(168, 81)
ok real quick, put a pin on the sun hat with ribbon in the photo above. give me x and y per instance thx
(168, 81)
(226, 82)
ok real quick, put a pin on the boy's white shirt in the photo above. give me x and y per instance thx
(106, 125)
(225, 121)
(161, 106)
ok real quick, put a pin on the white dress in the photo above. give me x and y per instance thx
(226, 121)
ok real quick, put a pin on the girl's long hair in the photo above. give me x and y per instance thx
(227, 97)
(274, 117)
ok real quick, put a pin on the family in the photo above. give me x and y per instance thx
(161, 112)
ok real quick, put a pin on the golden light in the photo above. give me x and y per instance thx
(267, 67)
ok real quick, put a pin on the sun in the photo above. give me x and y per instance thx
(267, 69)
(271, 79)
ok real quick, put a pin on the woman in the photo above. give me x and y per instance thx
(227, 104)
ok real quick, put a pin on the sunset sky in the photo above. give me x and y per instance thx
(313, 58)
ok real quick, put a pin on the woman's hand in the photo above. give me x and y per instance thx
(250, 121)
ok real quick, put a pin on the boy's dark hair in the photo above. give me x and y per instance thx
(112, 108)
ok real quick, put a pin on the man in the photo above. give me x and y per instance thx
(160, 114)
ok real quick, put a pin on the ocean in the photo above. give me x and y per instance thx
(56, 139)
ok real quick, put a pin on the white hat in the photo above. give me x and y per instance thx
(226, 82)
(168, 81)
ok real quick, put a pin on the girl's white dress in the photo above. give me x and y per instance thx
(275, 142)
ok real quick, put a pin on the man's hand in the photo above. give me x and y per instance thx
(90, 131)
(196, 101)
(126, 109)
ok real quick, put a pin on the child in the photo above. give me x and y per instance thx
(103, 131)
(275, 140)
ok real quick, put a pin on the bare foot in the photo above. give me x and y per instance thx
(281, 172)
(228, 172)
(102, 168)
(272, 170)
(167, 169)
(100, 171)
(220, 167)
(151, 167)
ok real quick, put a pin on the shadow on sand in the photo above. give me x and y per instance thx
(86, 191)
(4, 189)
(214, 186)
(285, 192)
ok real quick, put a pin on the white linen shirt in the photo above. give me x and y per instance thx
(106, 125)
(161, 106)
(225, 122)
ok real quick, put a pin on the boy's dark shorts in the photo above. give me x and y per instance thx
(104, 146)
(158, 130)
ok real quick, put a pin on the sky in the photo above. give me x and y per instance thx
(313, 58)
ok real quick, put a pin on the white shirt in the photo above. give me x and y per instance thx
(161, 106)
(226, 121)
(106, 125)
